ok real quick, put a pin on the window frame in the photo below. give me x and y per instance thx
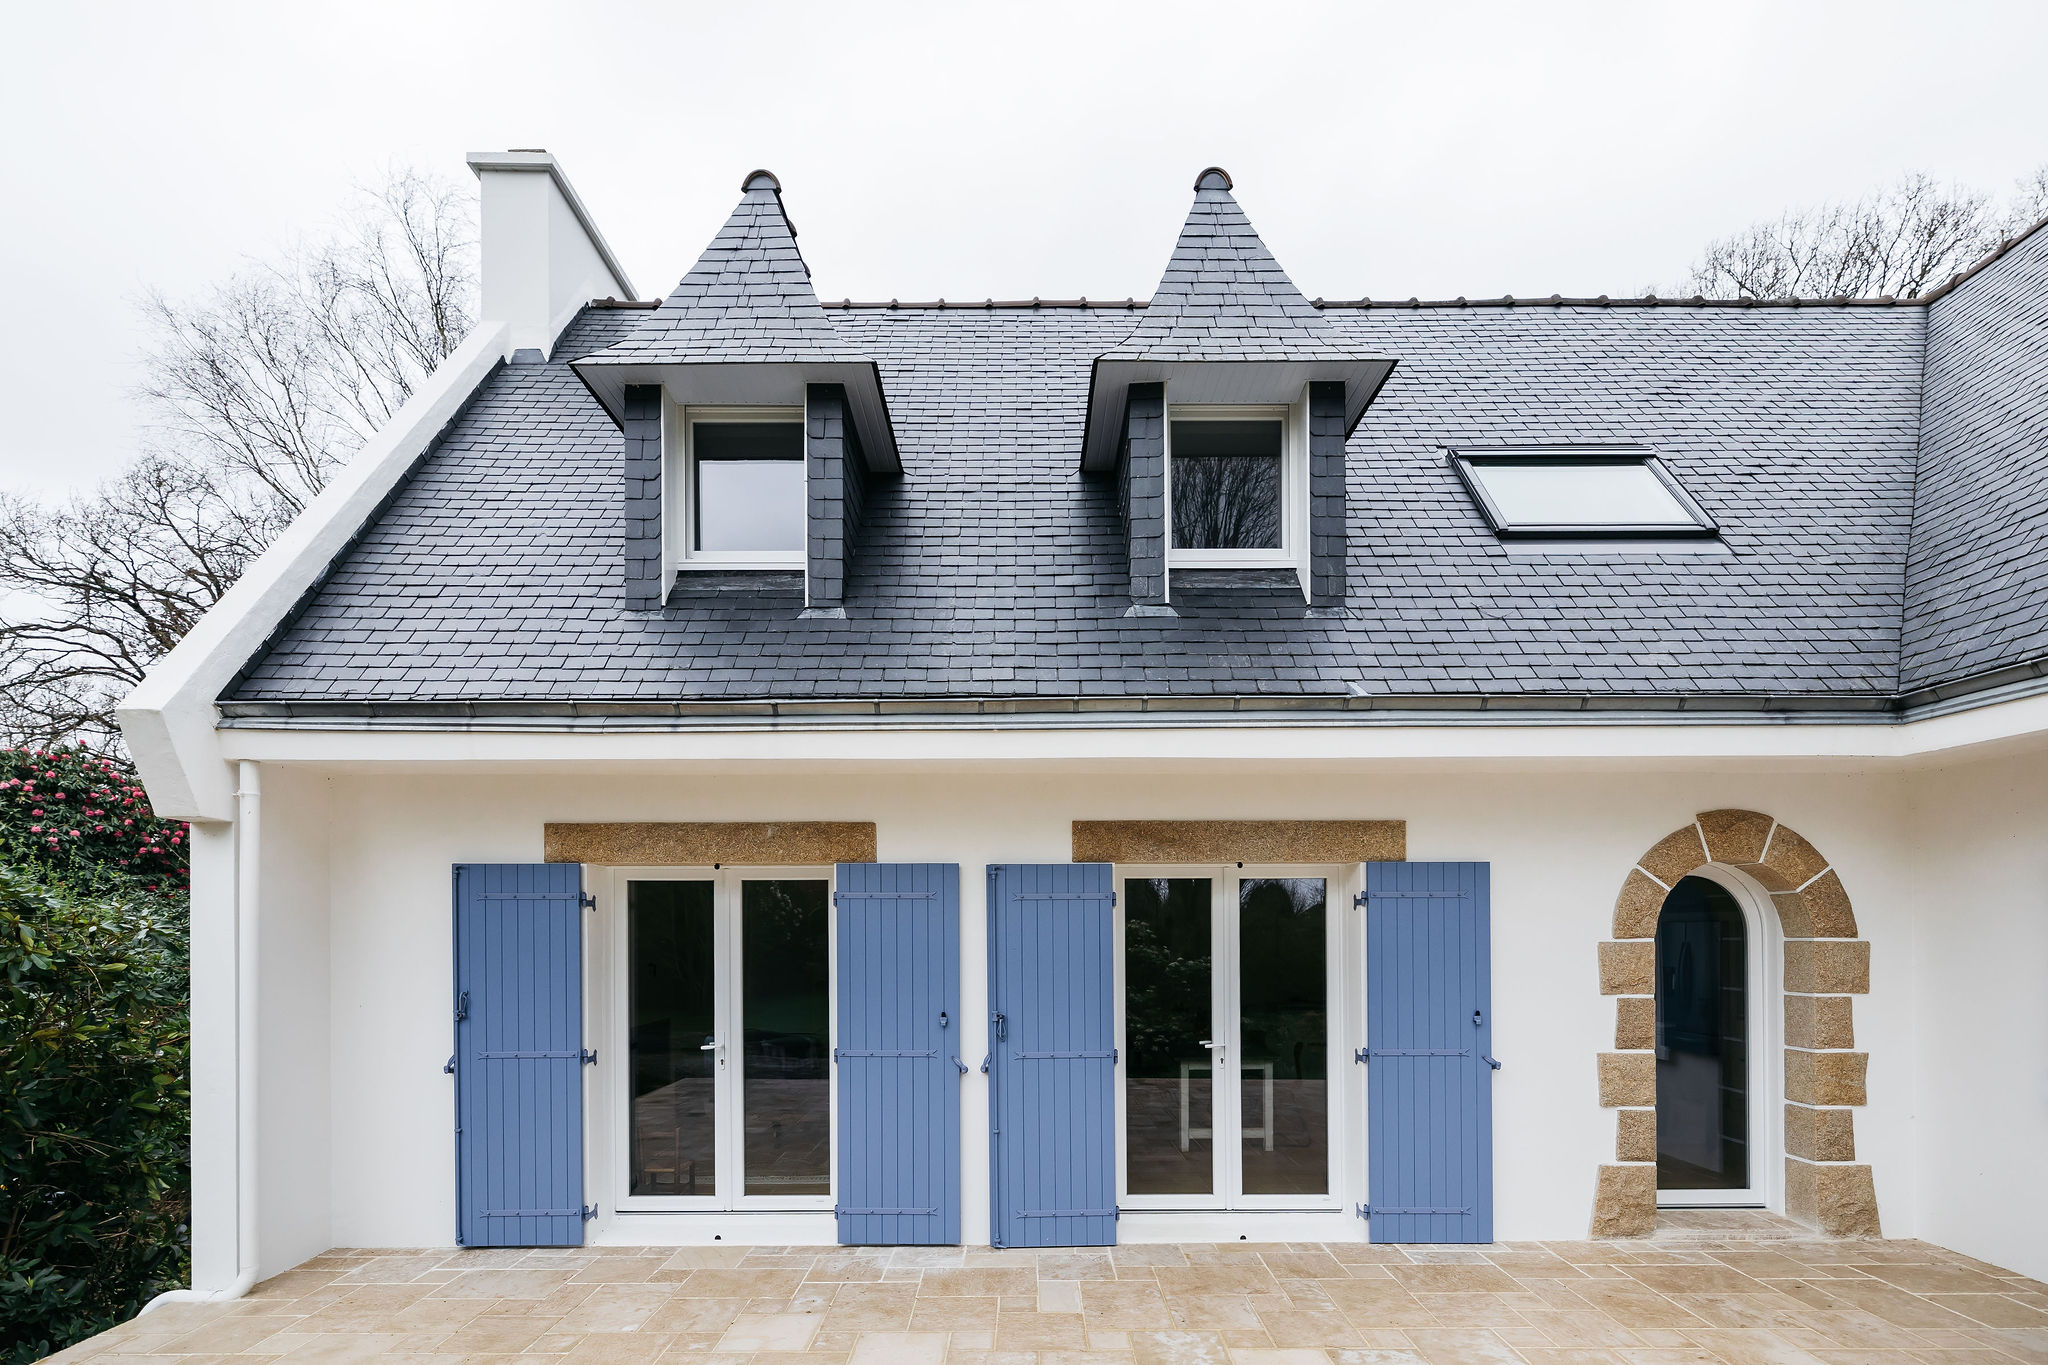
(679, 479)
(611, 1010)
(1292, 552)
(1341, 882)
(1464, 460)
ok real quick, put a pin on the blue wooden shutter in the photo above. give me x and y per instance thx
(899, 1053)
(1429, 1031)
(1052, 1058)
(519, 1054)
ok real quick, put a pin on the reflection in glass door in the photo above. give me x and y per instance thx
(1703, 1016)
(728, 1039)
(785, 999)
(671, 1053)
(1169, 1076)
(1283, 1058)
(1226, 997)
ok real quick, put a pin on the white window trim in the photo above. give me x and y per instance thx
(610, 1009)
(1294, 532)
(1340, 883)
(678, 488)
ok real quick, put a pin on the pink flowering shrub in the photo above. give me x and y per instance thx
(83, 821)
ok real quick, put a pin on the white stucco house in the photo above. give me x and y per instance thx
(1054, 772)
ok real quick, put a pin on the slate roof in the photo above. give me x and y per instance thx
(1977, 585)
(1224, 298)
(993, 569)
(748, 299)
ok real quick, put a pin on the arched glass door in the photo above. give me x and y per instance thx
(1704, 1045)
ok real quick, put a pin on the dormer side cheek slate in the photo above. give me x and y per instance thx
(1227, 327)
(744, 329)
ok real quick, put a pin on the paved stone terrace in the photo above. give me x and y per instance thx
(1688, 1298)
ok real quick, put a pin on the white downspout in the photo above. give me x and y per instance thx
(248, 865)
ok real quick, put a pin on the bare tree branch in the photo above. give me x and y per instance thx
(1900, 241)
(261, 389)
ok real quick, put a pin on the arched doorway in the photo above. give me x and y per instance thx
(1708, 1003)
(1805, 1077)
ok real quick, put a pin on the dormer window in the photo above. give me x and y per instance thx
(1236, 486)
(737, 487)
(1580, 493)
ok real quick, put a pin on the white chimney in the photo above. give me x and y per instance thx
(542, 256)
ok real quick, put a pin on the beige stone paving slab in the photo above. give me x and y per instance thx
(954, 1314)
(1703, 1299)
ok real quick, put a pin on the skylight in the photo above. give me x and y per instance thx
(1617, 492)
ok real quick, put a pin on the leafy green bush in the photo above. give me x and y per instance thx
(94, 1051)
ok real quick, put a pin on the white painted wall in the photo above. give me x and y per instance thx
(1560, 842)
(1981, 998)
(297, 1041)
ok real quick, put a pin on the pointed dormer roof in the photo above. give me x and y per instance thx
(744, 326)
(1226, 325)
(1224, 297)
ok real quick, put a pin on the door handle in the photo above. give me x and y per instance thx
(1214, 1047)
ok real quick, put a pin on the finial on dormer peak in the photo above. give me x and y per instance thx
(1214, 178)
(760, 180)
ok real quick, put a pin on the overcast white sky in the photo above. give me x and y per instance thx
(965, 150)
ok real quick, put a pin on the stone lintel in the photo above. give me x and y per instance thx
(739, 843)
(1141, 842)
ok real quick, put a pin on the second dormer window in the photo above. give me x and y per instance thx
(1232, 480)
(739, 488)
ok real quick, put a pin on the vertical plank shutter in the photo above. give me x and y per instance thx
(898, 1054)
(1052, 1058)
(519, 1054)
(1429, 1030)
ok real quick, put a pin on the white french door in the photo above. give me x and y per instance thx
(1229, 993)
(722, 1007)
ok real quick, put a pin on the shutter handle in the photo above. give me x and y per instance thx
(1002, 1025)
(462, 1007)
(943, 1019)
(1490, 1062)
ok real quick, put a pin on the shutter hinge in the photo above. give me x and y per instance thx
(448, 1067)
(589, 1212)
(1358, 903)
(1363, 1054)
(1365, 1211)
(589, 1057)
(588, 900)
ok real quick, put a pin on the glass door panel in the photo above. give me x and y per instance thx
(1169, 1073)
(1702, 1040)
(1283, 1063)
(671, 1014)
(786, 1015)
